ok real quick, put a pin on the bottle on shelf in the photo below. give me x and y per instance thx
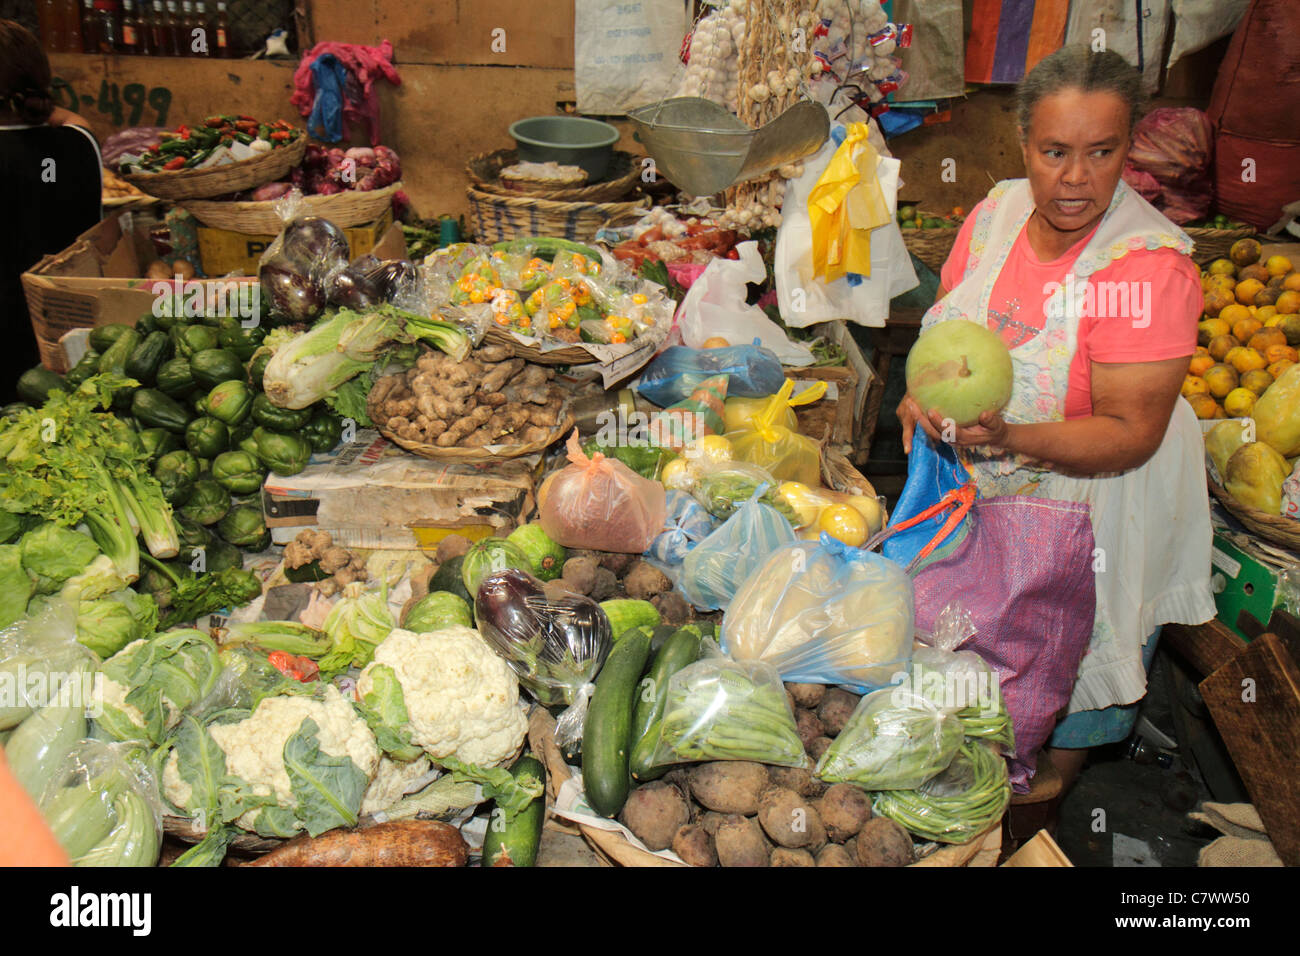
(221, 31)
(201, 21)
(107, 35)
(158, 38)
(49, 18)
(70, 11)
(143, 28)
(88, 43)
(175, 30)
(130, 32)
(188, 25)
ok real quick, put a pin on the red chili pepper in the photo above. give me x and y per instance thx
(299, 668)
(733, 254)
(175, 163)
(280, 135)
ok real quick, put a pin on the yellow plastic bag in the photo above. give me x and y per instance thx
(739, 411)
(776, 448)
(844, 206)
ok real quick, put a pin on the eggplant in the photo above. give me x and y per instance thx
(317, 242)
(554, 646)
(350, 288)
(288, 291)
(394, 278)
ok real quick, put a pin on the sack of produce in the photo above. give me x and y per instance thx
(714, 569)
(752, 372)
(692, 418)
(720, 709)
(957, 804)
(103, 807)
(600, 503)
(686, 525)
(772, 445)
(894, 740)
(822, 612)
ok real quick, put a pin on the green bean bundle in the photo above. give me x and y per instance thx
(894, 740)
(958, 804)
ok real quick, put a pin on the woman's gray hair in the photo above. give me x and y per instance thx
(1079, 68)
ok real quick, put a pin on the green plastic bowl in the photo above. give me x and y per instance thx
(567, 140)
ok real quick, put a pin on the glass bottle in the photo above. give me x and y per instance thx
(158, 38)
(88, 44)
(71, 13)
(201, 22)
(187, 29)
(106, 32)
(221, 31)
(48, 16)
(143, 20)
(130, 32)
(175, 29)
(1142, 752)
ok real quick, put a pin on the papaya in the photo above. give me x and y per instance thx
(1277, 414)
(1254, 477)
(1222, 441)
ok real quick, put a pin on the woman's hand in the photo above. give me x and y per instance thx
(991, 430)
(910, 415)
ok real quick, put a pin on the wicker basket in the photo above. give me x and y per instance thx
(1214, 243)
(484, 171)
(1279, 529)
(219, 180)
(980, 851)
(344, 209)
(931, 246)
(496, 218)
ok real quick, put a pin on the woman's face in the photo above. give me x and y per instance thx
(1074, 152)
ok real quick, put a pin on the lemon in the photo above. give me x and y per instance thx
(711, 449)
(845, 523)
(677, 474)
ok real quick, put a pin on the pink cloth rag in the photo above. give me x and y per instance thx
(364, 64)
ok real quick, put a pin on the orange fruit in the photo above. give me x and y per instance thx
(1225, 282)
(1219, 412)
(1247, 289)
(1240, 402)
(1220, 345)
(1265, 312)
(1257, 380)
(1222, 267)
(1279, 367)
(1221, 379)
(1291, 282)
(1244, 252)
(1262, 339)
(1192, 385)
(1234, 313)
(1203, 405)
(1200, 350)
(1290, 327)
(1288, 303)
(1277, 265)
(1200, 364)
(1276, 353)
(1254, 271)
(1211, 329)
(1247, 360)
(1243, 329)
(1267, 296)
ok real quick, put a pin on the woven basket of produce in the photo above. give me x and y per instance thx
(1279, 529)
(484, 171)
(566, 355)
(349, 208)
(218, 180)
(1214, 243)
(931, 246)
(495, 217)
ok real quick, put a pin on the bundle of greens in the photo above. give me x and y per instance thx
(356, 625)
(963, 684)
(187, 597)
(146, 687)
(958, 804)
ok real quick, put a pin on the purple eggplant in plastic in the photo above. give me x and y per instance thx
(350, 289)
(553, 646)
(289, 294)
(317, 242)
(394, 278)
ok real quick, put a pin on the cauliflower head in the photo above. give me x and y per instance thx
(461, 699)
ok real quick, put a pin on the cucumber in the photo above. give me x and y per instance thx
(607, 737)
(678, 651)
(625, 614)
(448, 578)
(515, 843)
(35, 384)
(102, 336)
(644, 768)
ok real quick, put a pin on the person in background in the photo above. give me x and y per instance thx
(50, 167)
(25, 840)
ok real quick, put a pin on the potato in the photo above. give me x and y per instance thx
(798, 779)
(740, 843)
(729, 786)
(844, 808)
(832, 854)
(557, 589)
(654, 813)
(807, 695)
(695, 846)
(184, 268)
(817, 836)
(809, 726)
(882, 842)
(616, 561)
(159, 270)
(644, 581)
(785, 856)
(580, 574)
(672, 608)
(604, 585)
(452, 546)
(710, 821)
(818, 747)
(835, 709)
(783, 815)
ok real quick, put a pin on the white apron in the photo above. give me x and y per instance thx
(1151, 524)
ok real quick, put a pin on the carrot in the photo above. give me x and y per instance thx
(25, 840)
(397, 843)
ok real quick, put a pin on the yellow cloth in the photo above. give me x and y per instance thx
(844, 206)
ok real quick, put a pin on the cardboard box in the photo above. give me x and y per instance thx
(98, 280)
(1244, 577)
(1041, 850)
(371, 494)
(222, 251)
(840, 412)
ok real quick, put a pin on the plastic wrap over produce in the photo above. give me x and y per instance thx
(752, 371)
(686, 525)
(822, 612)
(601, 503)
(718, 565)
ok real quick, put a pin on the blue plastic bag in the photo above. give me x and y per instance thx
(686, 525)
(673, 374)
(931, 473)
(715, 568)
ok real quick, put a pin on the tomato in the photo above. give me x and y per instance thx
(299, 668)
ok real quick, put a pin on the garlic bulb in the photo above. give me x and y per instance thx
(759, 92)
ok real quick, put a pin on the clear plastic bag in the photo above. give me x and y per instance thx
(954, 806)
(692, 418)
(822, 612)
(752, 371)
(37, 656)
(771, 445)
(719, 709)
(686, 525)
(894, 740)
(739, 411)
(724, 486)
(716, 567)
(103, 806)
(602, 504)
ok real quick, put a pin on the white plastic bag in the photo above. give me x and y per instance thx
(805, 300)
(715, 307)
